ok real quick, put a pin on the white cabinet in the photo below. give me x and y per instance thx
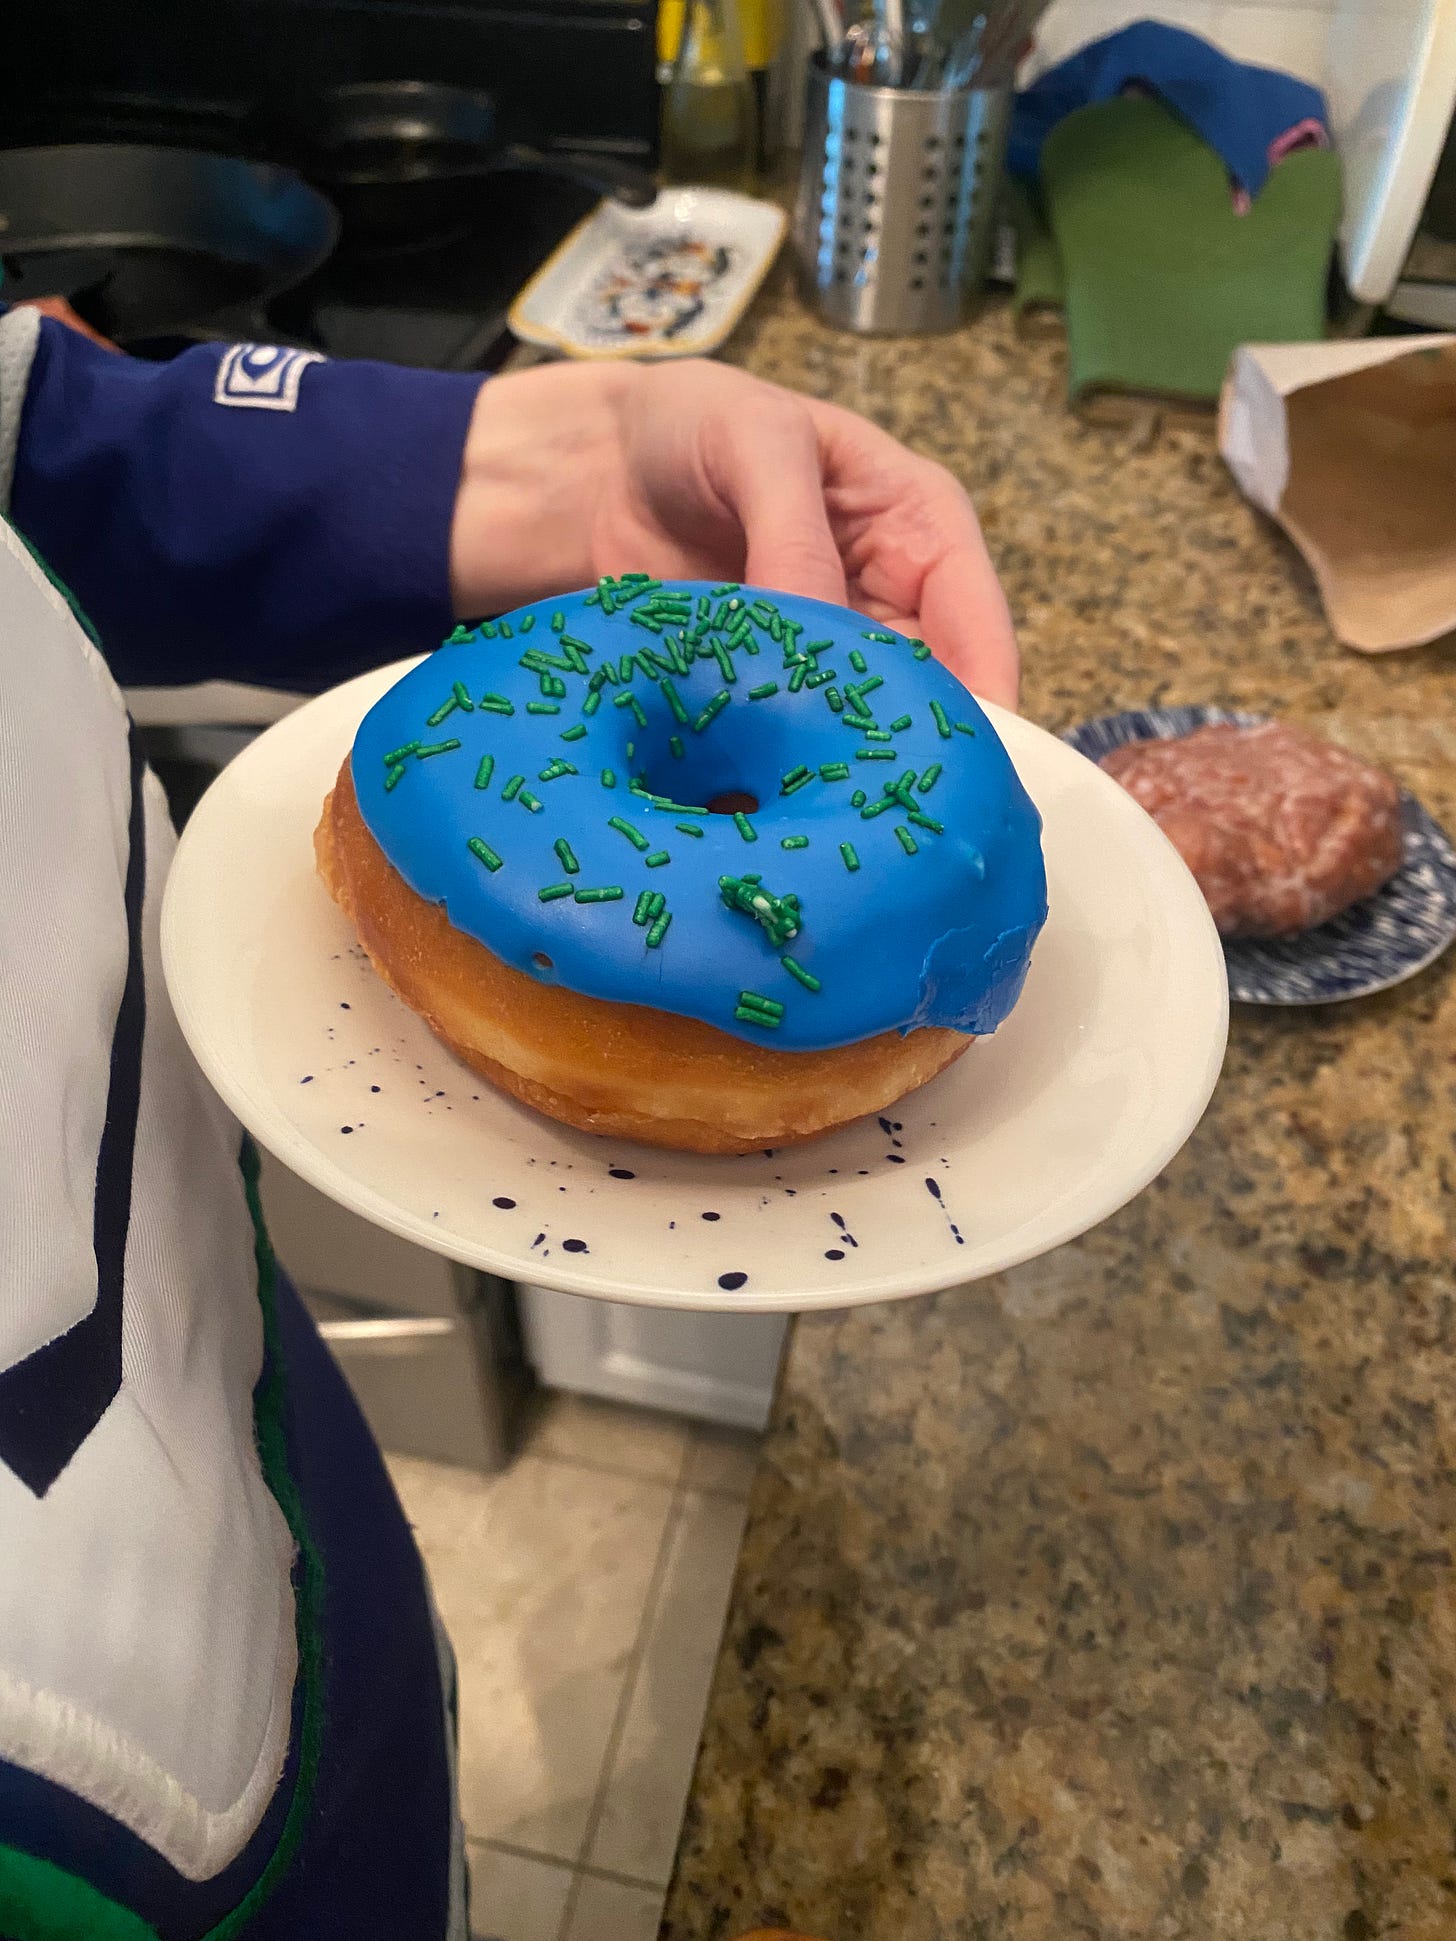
(718, 1367)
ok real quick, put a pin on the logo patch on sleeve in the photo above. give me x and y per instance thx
(262, 377)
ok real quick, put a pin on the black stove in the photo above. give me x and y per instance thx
(567, 75)
(441, 301)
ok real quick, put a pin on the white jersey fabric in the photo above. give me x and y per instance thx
(154, 1541)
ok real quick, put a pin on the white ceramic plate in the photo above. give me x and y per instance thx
(1080, 1099)
(671, 280)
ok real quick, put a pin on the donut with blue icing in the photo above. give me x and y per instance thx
(706, 864)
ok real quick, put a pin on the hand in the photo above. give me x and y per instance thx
(698, 471)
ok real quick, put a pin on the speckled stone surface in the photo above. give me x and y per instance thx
(1114, 1599)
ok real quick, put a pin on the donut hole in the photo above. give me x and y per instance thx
(732, 802)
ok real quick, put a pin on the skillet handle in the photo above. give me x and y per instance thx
(621, 181)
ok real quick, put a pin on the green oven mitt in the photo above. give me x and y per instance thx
(1163, 277)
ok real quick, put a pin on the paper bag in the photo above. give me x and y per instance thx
(1352, 448)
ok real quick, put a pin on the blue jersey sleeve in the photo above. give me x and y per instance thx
(243, 512)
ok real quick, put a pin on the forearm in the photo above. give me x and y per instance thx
(212, 527)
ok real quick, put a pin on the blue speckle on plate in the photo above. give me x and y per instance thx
(1375, 943)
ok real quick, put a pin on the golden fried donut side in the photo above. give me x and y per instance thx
(623, 1069)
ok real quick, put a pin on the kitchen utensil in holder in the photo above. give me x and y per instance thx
(895, 217)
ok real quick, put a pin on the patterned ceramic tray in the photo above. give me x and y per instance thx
(1377, 943)
(668, 281)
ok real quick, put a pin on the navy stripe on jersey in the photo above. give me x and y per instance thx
(52, 1400)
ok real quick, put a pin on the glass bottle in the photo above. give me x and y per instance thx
(709, 111)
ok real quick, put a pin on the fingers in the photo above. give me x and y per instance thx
(764, 461)
(966, 622)
(919, 550)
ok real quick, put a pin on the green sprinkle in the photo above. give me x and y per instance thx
(878, 734)
(851, 858)
(487, 631)
(835, 699)
(513, 788)
(400, 754)
(484, 853)
(485, 771)
(553, 687)
(713, 709)
(763, 611)
(755, 1009)
(659, 930)
(566, 856)
(794, 842)
(592, 702)
(862, 688)
(763, 690)
(675, 743)
(612, 894)
(496, 704)
(819, 677)
(907, 841)
(642, 915)
(874, 754)
(929, 779)
(461, 633)
(687, 828)
(574, 733)
(674, 700)
(555, 891)
(435, 748)
(795, 779)
(542, 707)
(834, 771)
(857, 800)
(554, 768)
(899, 727)
(528, 623)
(558, 622)
(505, 630)
(926, 822)
(798, 677)
(631, 750)
(886, 640)
(445, 708)
(941, 720)
(858, 662)
(921, 651)
(744, 827)
(806, 977)
(659, 903)
(576, 652)
(779, 916)
(529, 801)
(609, 778)
(964, 728)
(394, 775)
(728, 586)
(624, 828)
(656, 859)
(462, 698)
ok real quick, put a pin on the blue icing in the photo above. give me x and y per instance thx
(940, 936)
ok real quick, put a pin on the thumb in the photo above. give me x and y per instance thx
(768, 468)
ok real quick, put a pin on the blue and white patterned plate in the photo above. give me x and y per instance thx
(1376, 943)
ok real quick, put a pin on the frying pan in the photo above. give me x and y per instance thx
(147, 241)
(405, 160)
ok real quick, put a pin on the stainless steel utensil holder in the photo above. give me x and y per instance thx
(895, 218)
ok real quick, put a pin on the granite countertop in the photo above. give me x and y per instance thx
(1112, 1598)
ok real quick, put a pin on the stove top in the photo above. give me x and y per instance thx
(439, 302)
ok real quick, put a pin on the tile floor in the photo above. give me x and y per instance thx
(585, 1590)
